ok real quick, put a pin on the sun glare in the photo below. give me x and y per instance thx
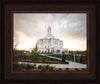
(26, 43)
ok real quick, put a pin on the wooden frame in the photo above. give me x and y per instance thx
(92, 77)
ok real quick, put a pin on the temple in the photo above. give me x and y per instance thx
(50, 44)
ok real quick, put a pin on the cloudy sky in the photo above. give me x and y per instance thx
(69, 27)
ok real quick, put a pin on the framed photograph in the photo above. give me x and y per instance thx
(50, 42)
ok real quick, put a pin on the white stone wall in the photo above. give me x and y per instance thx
(50, 43)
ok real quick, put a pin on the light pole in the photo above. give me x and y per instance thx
(74, 57)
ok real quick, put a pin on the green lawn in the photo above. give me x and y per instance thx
(43, 56)
(55, 55)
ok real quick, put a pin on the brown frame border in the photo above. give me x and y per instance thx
(54, 72)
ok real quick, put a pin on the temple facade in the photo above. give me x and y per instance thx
(50, 44)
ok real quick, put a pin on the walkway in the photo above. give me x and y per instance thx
(70, 65)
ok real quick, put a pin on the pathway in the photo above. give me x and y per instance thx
(70, 65)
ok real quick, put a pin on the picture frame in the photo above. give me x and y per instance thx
(92, 77)
(46, 12)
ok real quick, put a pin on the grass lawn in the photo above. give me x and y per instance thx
(43, 56)
(55, 55)
(25, 53)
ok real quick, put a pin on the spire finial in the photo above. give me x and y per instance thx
(49, 29)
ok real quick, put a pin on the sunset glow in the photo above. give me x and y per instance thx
(71, 28)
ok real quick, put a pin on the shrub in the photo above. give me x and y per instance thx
(57, 70)
(60, 69)
(76, 69)
(33, 66)
(44, 68)
(67, 69)
(52, 68)
(47, 66)
(40, 66)
(67, 62)
(43, 60)
(83, 69)
(28, 66)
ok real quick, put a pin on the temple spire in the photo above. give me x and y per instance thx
(49, 29)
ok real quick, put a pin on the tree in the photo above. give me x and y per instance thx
(15, 49)
(35, 49)
(15, 46)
